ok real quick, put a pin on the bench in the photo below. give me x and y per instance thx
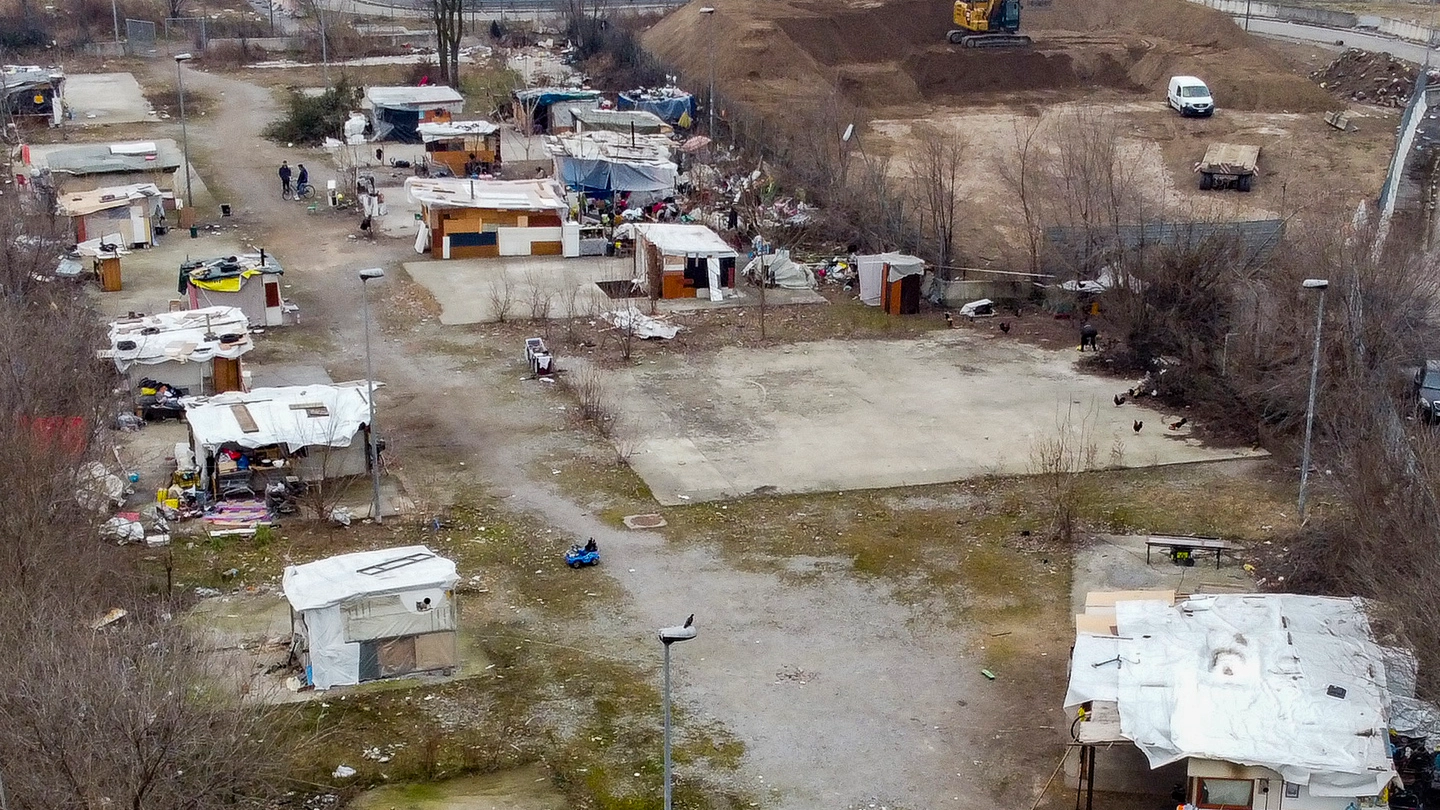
(1178, 546)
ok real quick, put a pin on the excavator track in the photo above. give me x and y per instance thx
(968, 40)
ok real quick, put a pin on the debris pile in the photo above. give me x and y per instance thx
(1370, 78)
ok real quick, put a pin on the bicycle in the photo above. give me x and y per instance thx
(303, 191)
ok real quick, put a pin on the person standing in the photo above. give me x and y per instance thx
(302, 180)
(285, 177)
(1089, 337)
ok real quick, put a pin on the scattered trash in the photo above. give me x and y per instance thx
(111, 616)
(989, 676)
(205, 593)
(343, 772)
(341, 515)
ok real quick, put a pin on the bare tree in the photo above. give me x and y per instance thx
(1059, 461)
(935, 172)
(1024, 175)
(448, 19)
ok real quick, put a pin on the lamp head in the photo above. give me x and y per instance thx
(371, 273)
(184, 57)
(670, 635)
(707, 10)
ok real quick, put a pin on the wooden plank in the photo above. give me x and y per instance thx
(1109, 598)
(1230, 158)
(244, 419)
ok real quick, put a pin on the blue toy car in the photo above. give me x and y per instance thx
(580, 556)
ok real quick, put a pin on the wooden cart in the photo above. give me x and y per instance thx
(1228, 165)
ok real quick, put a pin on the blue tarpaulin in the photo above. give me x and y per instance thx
(602, 176)
(669, 108)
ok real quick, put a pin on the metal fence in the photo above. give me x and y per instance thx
(140, 38)
(185, 33)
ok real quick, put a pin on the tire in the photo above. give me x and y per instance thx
(955, 37)
(1207, 181)
(308, 193)
(573, 564)
(1243, 183)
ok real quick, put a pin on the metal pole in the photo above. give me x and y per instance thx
(1310, 408)
(1247, 15)
(324, 46)
(184, 136)
(115, 13)
(370, 385)
(711, 130)
(667, 727)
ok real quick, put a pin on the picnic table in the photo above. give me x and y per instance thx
(1185, 546)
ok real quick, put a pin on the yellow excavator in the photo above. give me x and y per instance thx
(988, 24)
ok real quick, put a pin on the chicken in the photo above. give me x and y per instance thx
(1119, 400)
(1005, 327)
(1138, 424)
(1179, 424)
(950, 320)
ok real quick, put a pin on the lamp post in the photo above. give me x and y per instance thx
(115, 15)
(668, 636)
(1321, 285)
(367, 275)
(709, 13)
(184, 132)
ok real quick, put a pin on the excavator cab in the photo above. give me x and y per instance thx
(987, 24)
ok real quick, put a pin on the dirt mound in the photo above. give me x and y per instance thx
(771, 54)
(1371, 78)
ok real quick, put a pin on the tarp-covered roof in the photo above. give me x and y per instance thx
(537, 194)
(1291, 683)
(669, 103)
(622, 121)
(439, 130)
(189, 336)
(17, 78)
(81, 203)
(414, 98)
(545, 96)
(680, 239)
(294, 416)
(121, 157)
(227, 273)
(364, 573)
(609, 161)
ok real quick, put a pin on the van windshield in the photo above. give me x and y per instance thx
(1194, 91)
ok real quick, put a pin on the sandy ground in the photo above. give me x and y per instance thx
(839, 415)
(106, 98)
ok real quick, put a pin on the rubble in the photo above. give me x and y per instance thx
(1370, 78)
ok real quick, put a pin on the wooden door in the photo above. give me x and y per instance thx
(226, 375)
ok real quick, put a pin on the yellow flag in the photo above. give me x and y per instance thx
(685, 120)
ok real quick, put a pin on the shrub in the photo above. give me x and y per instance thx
(312, 119)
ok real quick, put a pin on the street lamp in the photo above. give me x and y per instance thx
(367, 275)
(710, 31)
(184, 133)
(668, 636)
(1321, 285)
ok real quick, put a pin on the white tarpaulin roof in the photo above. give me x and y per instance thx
(414, 98)
(189, 336)
(295, 416)
(439, 131)
(538, 194)
(80, 203)
(335, 579)
(680, 239)
(782, 272)
(1246, 679)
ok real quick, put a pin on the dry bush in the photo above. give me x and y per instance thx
(541, 297)
(1059, 461)
(501, 297)
(595, 406)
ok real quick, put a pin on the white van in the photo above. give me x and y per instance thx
(1189, 96)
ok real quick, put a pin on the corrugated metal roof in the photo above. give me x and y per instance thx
(412, 97)
(102, 159)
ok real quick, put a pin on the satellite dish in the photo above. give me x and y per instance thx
(849, 131)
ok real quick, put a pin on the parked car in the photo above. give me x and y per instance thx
(1427, 391)
(1189, 96)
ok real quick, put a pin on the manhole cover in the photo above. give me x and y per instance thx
(644, 521)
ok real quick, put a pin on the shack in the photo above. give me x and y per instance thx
(94, 166)
(33, 93)
(671, 104)
(198, 349)
(1241, 699)
(601, 163)
(891, 281)
(674, 260)
(245, 440)
(373, 614)
(250, 282)
(625, 122)
(463, 145)
(551, 109)
(462, 219)
(397, 112)
(135, 212)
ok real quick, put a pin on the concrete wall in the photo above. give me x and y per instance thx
(271, 44)
(1401, 29)
(959, 293)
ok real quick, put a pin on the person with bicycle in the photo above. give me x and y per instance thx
(302, 183)
(284, 178)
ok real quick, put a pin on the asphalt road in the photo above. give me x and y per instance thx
(1345, 37)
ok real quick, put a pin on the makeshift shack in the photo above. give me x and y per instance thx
(134, 212)
(778, 270)
(250, 282)
(604, 163)
(674, 260)
(551, 109)
(670, 104)
(463, 146)
(94, 166)
(373, 614)
(625, 122)
(33, 92)
(397, 112)
(1246, 700)
(891, 281)
(244, 441)
(462, 219)
(198, 349)
(104, 253)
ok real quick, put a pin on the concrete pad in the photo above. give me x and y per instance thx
(272, 375)
(106, 98)
(149, 278)
(838, 415)
(465, 287)
(1116, 562)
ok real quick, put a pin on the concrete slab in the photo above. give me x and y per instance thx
(273, 375)
(106, 98)
(467, 289)
(838, 415)
(150, 277)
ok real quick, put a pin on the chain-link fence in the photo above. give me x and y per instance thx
(185, 34)
(140, 38)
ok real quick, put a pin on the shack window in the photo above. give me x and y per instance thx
(1225, 793)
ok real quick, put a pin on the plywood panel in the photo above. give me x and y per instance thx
(397, 656)
(546, 248)
(435, 651)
